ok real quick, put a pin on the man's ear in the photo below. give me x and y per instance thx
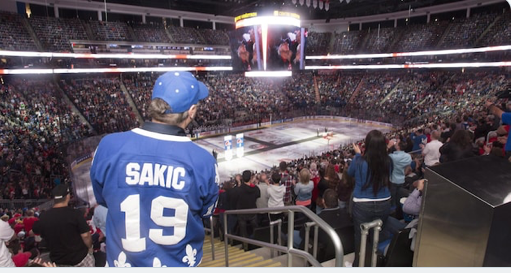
(192, 111)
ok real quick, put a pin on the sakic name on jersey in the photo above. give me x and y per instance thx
(150, 174)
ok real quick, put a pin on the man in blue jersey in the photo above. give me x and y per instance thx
(156, 183)
(506, 119)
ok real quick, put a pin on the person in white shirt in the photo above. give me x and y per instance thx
(262, 201)
(276, 193)
(6, 234)
(431, 151)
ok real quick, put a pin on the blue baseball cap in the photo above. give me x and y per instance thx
(180, 90)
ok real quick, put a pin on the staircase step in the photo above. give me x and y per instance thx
(232, 260)
(266, 263)
(245, 262)
(221, 255)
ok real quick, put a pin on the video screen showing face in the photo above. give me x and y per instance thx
(284, 50)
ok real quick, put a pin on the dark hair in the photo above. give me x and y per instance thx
(246, 176)
(402, 145)
(461, 138)
(275, 178)
(283, 166)
(321, 172)
(453, 126)
(157, 109)
(378, 161)
(331, 198)
(331, 176)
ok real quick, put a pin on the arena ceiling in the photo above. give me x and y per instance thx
(337, 8)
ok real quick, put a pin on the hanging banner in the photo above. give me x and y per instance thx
(228, 147)
(239, 145)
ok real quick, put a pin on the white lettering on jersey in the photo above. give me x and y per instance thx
(155, 175)
(147, 174)
(158, 175)
(132, 174)
(178, 185)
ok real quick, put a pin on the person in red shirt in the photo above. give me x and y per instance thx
(29, 220)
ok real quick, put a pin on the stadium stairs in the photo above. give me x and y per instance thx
(31, 32)
(236, 255)
(396, 87)
(170, 36)
(88, 30)
(132, 34)
(488, 29)
(129, 99)
(357, 90)
(258, 257)
(262, 251)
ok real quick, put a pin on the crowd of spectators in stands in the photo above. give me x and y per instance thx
(185, 35)
(102, 102)
(40, 117)
(36, 122)
(403, 98)
(55, 33)
(110, 31)
(480, 29)
(13, 34)
(150, 33)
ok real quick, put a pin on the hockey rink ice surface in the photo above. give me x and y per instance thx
(266, 147)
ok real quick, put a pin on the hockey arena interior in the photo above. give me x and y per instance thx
(298, 92)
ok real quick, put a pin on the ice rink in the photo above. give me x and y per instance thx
(263, 148)
(266, 147)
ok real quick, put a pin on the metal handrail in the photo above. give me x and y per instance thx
(364, 228)
(211, 230)
(277, 222)
(339, 251)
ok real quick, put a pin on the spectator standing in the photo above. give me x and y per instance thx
(371, 196)
(400, 160)
(141, 174)
(66, 232)
(431, 151)
(247, 196)
(458, 147)
(506, 119)
(287, 180)
(6, 235)
(276, 193)
(303, 189)
(262, 201)
(420, 138)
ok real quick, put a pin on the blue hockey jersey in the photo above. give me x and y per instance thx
(157, 188)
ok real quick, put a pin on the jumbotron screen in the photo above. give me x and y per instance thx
(272, 42)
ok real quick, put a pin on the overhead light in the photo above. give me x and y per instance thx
(301, 2)
(315, 3)
(320, 4)
(294, 2)
(308, 3)
(327, 5)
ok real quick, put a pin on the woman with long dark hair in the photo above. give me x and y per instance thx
(459, 146)
(371, 196)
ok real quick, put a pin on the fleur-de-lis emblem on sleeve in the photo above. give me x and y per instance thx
(157, 263)
(190, 255)
(121, 260)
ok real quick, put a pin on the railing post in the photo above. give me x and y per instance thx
(226, 240)
(363, 241)
(315, 245)
(212, 238)
(364, 230)
(271, 238)
(290, 230)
